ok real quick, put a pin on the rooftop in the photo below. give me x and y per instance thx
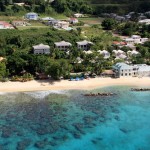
(135, 36)
(63, 43)
(121, 66)
(41, 46)
(84, 42)
(31, 13)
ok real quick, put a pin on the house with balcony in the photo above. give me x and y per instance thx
(129, 41)
(31, 16)
(63, 45)
(125, 70)
(135, 39)
(41, 49)
(84, 45)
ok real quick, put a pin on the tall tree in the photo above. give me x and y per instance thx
(2, 70)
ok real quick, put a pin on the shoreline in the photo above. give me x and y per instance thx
(92, 83)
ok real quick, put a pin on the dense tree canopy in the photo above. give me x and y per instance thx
(109, 24)
(3, 72)
(67, 7)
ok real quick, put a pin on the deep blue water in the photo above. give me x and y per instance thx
(68, 120)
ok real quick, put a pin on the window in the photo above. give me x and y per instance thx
(125, 74)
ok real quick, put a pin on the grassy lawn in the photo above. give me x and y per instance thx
(30, 27)
(56, 16)
(10, 18)
(34, 24)
(92, 20)
(20, 17)
(105, 38)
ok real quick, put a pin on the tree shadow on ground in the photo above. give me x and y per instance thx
(47, 82)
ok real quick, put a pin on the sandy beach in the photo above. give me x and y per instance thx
(92, 83)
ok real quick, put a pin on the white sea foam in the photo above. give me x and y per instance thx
(43, 94)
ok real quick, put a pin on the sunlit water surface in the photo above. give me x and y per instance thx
(68, 120)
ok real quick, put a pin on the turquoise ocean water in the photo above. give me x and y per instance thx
(68, 120)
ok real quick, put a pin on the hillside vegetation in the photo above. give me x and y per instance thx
(119, 6)
(68, 7)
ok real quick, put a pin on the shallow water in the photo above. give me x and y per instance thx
(68, 120)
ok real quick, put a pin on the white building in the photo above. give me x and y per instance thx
(104, 53)
(133, 53)
(129, 41)
(62, 24)
(78, 60)
(78, 15)
(135, 39)
(19, 4)
(119, 54)
(145, 21)
(84, 45)
(143, 70)
(41, 49)
(31, 16)
(124, 70)
(47, 18)
(20, 23)
(88, 52)
(63, 45)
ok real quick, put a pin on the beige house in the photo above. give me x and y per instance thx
(62, 24)
(63, 45)
(135, 39)
(19, 23)
(41, 49)
(84, 45)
